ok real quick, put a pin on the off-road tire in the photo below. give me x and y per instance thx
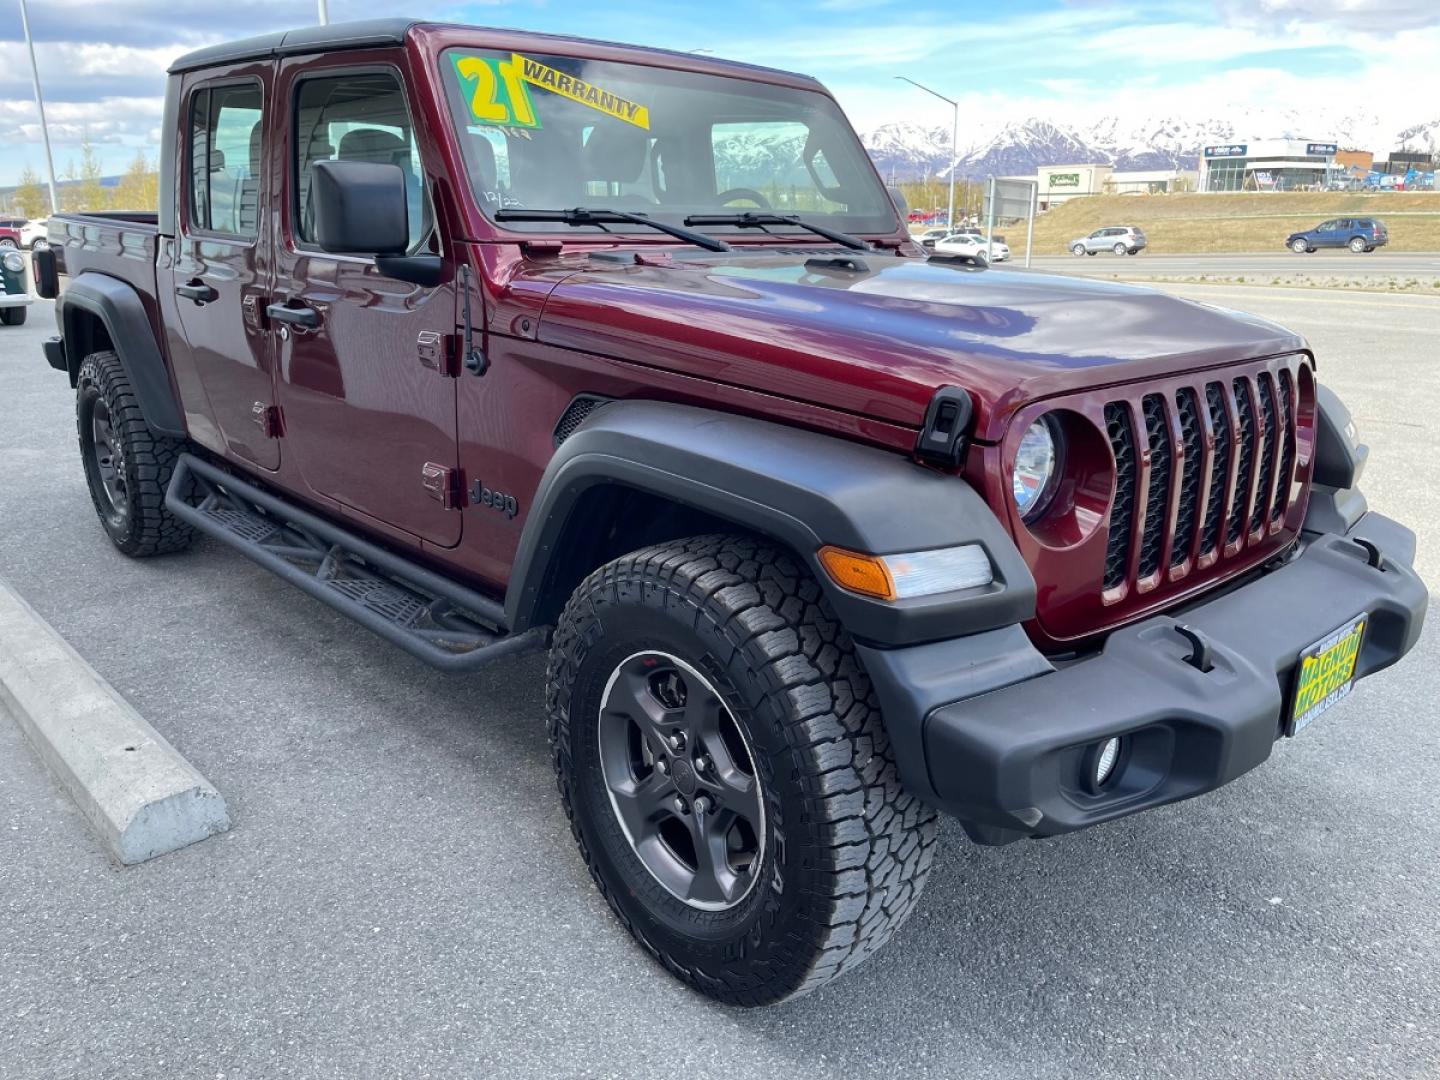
(13, 316)
(145, 526)
(848, 849)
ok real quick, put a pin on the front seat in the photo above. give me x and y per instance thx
(615, 153)
(383, 148)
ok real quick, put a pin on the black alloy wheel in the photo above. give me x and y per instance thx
(107, 459)
(682, 781)
(127, 466)
(722, 759)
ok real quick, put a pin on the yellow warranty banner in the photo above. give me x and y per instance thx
(557, 82)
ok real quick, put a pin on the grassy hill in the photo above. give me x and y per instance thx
(1234, 223)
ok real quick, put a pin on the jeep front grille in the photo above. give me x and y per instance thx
(1215, 450)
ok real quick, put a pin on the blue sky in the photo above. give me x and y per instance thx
(102, 60)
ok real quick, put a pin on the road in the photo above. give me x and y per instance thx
(1330, 264)
(400, 895)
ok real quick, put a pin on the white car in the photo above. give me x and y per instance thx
(929, 237)
(35, 235)
(968, 245)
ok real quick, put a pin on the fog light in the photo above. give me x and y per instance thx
(1105, 760)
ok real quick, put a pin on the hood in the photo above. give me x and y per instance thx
(877, 339)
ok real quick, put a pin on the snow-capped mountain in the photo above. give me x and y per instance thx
(909, 151)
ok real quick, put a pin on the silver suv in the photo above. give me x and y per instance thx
(1121, 239)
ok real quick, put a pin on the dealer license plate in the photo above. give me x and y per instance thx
(1326, 673)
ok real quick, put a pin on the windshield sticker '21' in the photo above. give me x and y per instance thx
(499, 92)
(496, 91)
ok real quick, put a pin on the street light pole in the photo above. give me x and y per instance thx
(40, 104)
(954, 141)
(324, 12)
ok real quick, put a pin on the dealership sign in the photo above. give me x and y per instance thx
(1321, 149)
(1065, 179)
(1230, 150)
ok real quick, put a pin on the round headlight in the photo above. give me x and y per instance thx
(1034, 478)
(14, 262)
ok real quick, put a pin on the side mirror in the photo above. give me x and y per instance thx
(898, 198)
(360, 208)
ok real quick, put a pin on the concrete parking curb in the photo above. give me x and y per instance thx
(137, 792)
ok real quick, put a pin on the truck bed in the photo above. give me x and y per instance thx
(120, 243)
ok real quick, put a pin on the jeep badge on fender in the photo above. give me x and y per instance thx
(483, 496)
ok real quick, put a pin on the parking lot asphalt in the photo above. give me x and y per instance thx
(400, 895)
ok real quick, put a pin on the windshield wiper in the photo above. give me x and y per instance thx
(580, 216)
(751, 220)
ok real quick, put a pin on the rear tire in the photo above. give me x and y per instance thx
(13, 316)
(127, 467)
(1358, 245)
(839, 852)
(1119, 249)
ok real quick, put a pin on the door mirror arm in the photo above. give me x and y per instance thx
(425, 270)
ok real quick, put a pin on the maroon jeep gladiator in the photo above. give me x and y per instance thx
(496, 341)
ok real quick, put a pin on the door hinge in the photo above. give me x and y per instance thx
(443, 484)
(439, 352)
(269, 418)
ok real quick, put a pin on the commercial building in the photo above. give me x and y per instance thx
(1355, 160)
(1059, 183)
(1268, 165)
(1403, 162)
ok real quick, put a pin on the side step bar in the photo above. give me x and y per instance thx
(445, 624)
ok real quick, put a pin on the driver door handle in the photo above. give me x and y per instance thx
(306, 317)
(198, 291)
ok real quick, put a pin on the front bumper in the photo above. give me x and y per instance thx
(9, 300)
(1009, 760)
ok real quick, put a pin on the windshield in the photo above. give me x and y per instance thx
(549, 132)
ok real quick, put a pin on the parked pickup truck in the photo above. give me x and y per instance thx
(498, 341)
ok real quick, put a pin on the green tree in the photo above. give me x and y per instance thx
(83, 190)
(30, 196)
(139, 188)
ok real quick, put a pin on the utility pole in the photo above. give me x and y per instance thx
(954, 143)
(324, 11)
(1030, 224)
(40, 104)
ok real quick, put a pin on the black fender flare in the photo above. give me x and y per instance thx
(801, 488)
(121, 311)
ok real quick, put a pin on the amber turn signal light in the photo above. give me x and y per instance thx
(864, 574)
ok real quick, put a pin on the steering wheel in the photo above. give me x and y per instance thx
(735, 193)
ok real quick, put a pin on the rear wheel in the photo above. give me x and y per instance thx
(1358, 245)
(1119, 249)
(127, 467)
(8, 243)
(721, 757)
(13, 316)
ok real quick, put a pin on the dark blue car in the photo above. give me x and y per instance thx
(1357, 233)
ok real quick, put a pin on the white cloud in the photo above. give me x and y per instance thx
(1374, 16)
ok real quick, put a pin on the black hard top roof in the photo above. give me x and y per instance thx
(379, 33)
(370, 33)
